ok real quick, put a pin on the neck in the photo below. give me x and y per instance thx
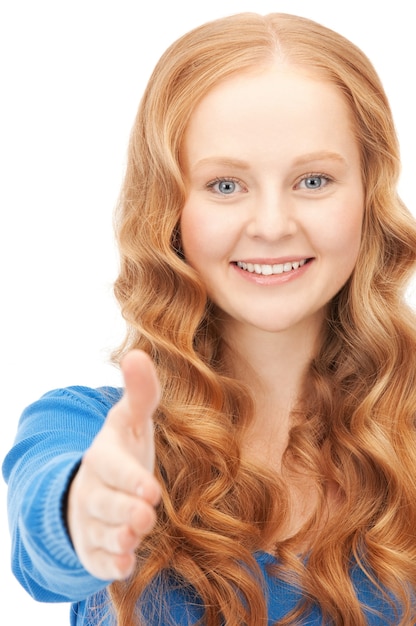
(273, 366)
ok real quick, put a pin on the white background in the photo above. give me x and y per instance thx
(72, 74)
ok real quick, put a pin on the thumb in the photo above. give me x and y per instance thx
(141, 393)
(142, 389)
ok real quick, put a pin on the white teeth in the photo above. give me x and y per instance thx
(268, 270)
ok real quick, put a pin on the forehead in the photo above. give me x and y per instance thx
(276, 88)
(273, 107)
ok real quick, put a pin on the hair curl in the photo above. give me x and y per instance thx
(358, 423)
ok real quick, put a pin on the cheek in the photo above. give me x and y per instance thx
(339, 231)
(343, 241)
(196, 233)
(350, 232)
(205, 233)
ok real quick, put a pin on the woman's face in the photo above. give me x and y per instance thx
(273, 215)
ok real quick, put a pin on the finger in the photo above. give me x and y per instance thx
(116, 472)
(117, 508)
(123, 538)
(108, 552)
(107, 566)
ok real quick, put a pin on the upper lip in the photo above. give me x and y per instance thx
(272, 261)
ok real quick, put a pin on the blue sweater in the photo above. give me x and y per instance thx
(52, 436)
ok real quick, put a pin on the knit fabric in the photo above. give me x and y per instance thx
(52, 436)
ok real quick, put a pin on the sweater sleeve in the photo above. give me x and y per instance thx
(52, 436)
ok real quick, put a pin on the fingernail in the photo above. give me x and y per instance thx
(140, 491)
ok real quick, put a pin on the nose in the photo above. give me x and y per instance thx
(272, 217)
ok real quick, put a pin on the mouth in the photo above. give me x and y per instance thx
(271, 270)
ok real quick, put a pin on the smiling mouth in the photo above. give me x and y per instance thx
(270, 270)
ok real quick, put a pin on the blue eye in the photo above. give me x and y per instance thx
(314, 181)
(225, 186)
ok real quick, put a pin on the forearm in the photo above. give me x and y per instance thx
(38, 470)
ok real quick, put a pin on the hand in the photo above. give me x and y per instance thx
(112, 497)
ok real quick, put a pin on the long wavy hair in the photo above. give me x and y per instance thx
(356, 425)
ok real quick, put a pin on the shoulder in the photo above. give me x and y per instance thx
(68, 404)
(100, 398)
(64, 420)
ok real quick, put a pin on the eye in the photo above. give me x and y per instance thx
(225, 186)
(313, 182)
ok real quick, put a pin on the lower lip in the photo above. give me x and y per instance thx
(273, 279)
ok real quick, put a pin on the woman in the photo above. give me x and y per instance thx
(264, 257)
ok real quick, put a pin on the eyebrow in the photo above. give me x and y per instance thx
(323, 155)
(223, 161)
